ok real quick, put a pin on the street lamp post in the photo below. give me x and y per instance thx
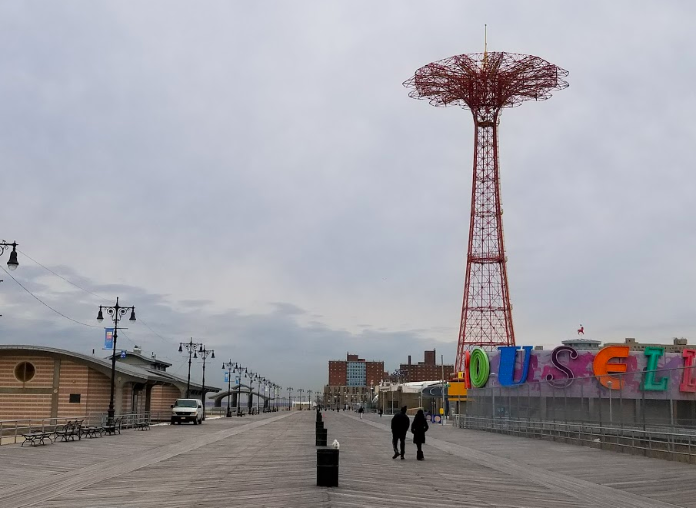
(205, 353)
(300, 391)
(250, 401)
(238, 370)
(191, 347)
(309, 398)
(116, 312)
(262, 381)
(228, 366)
(290, 389)
(611, 419)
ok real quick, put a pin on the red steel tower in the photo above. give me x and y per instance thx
(485, 83)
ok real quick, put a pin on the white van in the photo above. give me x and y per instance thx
(187, 410)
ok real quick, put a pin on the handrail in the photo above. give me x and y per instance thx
(655, 442)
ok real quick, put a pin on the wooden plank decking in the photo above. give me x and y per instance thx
(269, 460)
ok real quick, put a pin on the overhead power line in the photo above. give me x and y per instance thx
(44, 303)
(140, 320)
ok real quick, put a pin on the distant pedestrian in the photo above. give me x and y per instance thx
(380, 412)
(361, 411)
(419, 428)
(399, 428)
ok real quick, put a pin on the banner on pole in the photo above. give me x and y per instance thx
(108, 338)
(227, 377)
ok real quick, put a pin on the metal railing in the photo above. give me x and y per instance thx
(653, 422)
(666, 443)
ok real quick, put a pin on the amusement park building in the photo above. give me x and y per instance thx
(45, 382)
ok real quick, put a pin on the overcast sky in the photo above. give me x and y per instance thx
(254, 175)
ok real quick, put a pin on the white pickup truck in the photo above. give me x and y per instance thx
(187, 410)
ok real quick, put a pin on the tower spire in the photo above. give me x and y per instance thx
(485, 44)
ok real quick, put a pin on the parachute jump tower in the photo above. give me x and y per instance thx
(485, 83)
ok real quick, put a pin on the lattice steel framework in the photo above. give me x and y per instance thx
(485, 83)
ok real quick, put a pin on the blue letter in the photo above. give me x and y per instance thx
(506, 371)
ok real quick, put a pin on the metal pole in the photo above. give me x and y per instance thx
(188, 380)
(229, 389)
(110, 412)
(203, 388)
(611, 418)
(391, 389)
(239, 393)
(442, 387)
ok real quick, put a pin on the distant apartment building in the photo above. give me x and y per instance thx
(355, 371)
(351, 381)
(427, 370)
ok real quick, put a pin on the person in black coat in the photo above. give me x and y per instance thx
(419, 428)
(399, 428)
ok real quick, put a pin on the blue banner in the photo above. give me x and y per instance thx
(108, 338)
(227, 377)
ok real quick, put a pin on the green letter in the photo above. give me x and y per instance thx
(654, 354)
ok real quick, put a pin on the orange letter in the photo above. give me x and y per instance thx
(602, 368)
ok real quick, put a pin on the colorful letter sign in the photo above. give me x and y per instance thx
(479, 368)
(508, 358)
(649, 383)
(688, 383)
(603, 369)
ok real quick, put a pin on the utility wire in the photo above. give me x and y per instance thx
(44, 303)
(60, 276)
(168, 342)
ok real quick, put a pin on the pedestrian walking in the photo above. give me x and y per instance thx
(419, 427)
(361, 411)
(380, 412)
(399, 428)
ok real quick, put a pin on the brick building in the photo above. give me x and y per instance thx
(351, 381)
(355, 371)
(43, 382)
(427, 370)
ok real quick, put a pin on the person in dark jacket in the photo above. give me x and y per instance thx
(399, 428)
(361, 411)
(419, 428)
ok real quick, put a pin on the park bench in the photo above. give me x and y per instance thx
(92, 431)
(143, 423)
(70, 430)
(114, 426)
(36, 437)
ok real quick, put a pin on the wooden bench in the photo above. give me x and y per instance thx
(36, 437)
(114, 426)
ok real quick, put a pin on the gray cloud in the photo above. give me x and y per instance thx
(257, 174)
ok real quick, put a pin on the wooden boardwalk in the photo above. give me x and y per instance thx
(269, 460)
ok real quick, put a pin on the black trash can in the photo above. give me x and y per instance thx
(322, 436)
(327, 467)
(320, 425)
(319, 417)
